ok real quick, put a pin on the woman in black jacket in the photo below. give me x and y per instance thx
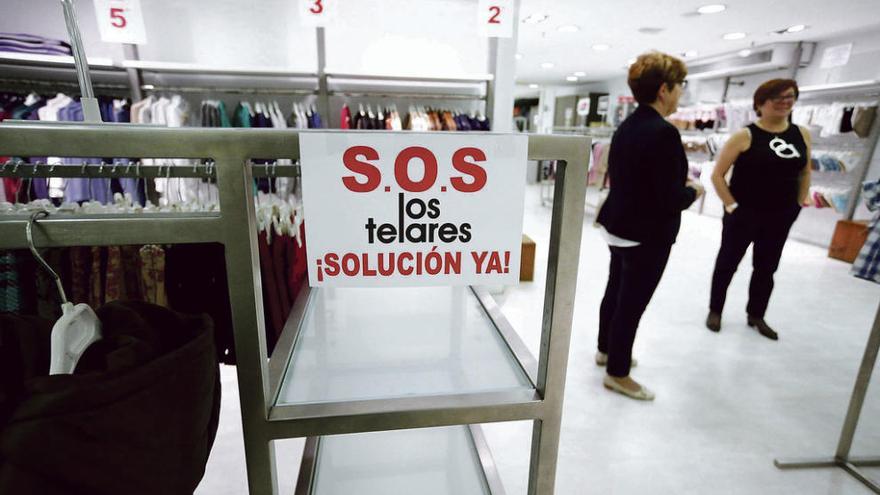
(641, 217)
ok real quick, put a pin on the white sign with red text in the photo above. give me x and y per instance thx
(317, 13)
(495, 18)
(413, 209)
(121, 21)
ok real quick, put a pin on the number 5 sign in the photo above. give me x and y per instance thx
(495, 18)
(317, 13)
(121, 21)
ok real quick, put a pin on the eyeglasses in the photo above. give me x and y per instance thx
(783, 98)
(684, 83)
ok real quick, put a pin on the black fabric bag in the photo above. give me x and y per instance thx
(138, 416)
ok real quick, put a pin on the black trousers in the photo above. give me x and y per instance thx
(767, 229)
(632, 279)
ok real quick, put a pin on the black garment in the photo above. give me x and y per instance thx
(632, 278)
(648, 170)
(138, 416)
(846, 122)
(768, 230)
(767, 175)
(196, 282)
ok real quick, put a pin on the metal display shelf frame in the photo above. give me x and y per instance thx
(259, 375)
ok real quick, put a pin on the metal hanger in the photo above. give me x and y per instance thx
(30, 239)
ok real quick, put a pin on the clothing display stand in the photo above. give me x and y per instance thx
(842, 458)
(530, 388)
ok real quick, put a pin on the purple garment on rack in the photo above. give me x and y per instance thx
(77, 190)
(8, 47)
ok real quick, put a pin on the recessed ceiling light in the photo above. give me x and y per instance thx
(689, 54)
(533, 86)
(796, 29)
(547, 65)
(734, 36)
(536, 18)
(601, 47)
(569, 28)
(744, 53)
(580, 73)
(712, 9)
(519, 56)
(571, 78)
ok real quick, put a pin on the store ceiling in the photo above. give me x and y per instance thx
(617, 23)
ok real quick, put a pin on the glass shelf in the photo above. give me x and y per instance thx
(427, 461)
(361, 344)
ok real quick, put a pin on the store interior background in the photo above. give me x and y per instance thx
(727, 404)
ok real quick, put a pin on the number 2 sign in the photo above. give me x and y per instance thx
(121, 21)
(495, 18)
(317, 13)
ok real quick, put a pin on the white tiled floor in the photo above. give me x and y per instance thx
(727, 404)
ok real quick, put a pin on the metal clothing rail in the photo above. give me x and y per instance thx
(134, 170)
(263, 419)
(842, 458)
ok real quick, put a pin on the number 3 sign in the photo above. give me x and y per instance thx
(495, 18)
(317, 13)
(121, 21)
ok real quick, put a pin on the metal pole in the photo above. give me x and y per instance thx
(91, 112)
(859, 392)
(135, 78)
(323, 93)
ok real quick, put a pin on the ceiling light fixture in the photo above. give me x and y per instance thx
(533, 86)
(548, 65)
(734, 36)
(580, 73)
(536, 18)
(744, 53)
(571, 78)
(689, 54)
(712, 9)
(601, 47)
(519, 56)
(569, 28)
(796, 28)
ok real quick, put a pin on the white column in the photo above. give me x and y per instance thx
(502, 66)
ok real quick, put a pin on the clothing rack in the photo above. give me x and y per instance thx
(841, 457)
(265, 417)
(134, 170)
(228, 90)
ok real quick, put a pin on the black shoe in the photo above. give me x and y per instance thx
(713, 321)
(763, 328)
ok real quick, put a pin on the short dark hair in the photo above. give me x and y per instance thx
(772, 89)
(652, 70)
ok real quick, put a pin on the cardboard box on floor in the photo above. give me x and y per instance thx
(849, 236)
(527, 260)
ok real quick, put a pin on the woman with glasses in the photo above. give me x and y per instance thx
(769, 183)
(641, 217)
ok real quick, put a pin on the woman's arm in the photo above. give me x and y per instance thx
(804, 179)
(738, 142)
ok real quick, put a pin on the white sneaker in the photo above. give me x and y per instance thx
(602, 360)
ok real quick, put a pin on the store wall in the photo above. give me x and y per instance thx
(438, 37)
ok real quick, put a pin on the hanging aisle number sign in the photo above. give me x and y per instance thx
(412, 209)
(495, 18)
(121, 21)
(317, 13)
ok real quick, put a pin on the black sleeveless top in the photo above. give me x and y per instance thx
(766, 175)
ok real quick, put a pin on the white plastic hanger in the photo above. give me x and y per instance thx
(78, 326)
